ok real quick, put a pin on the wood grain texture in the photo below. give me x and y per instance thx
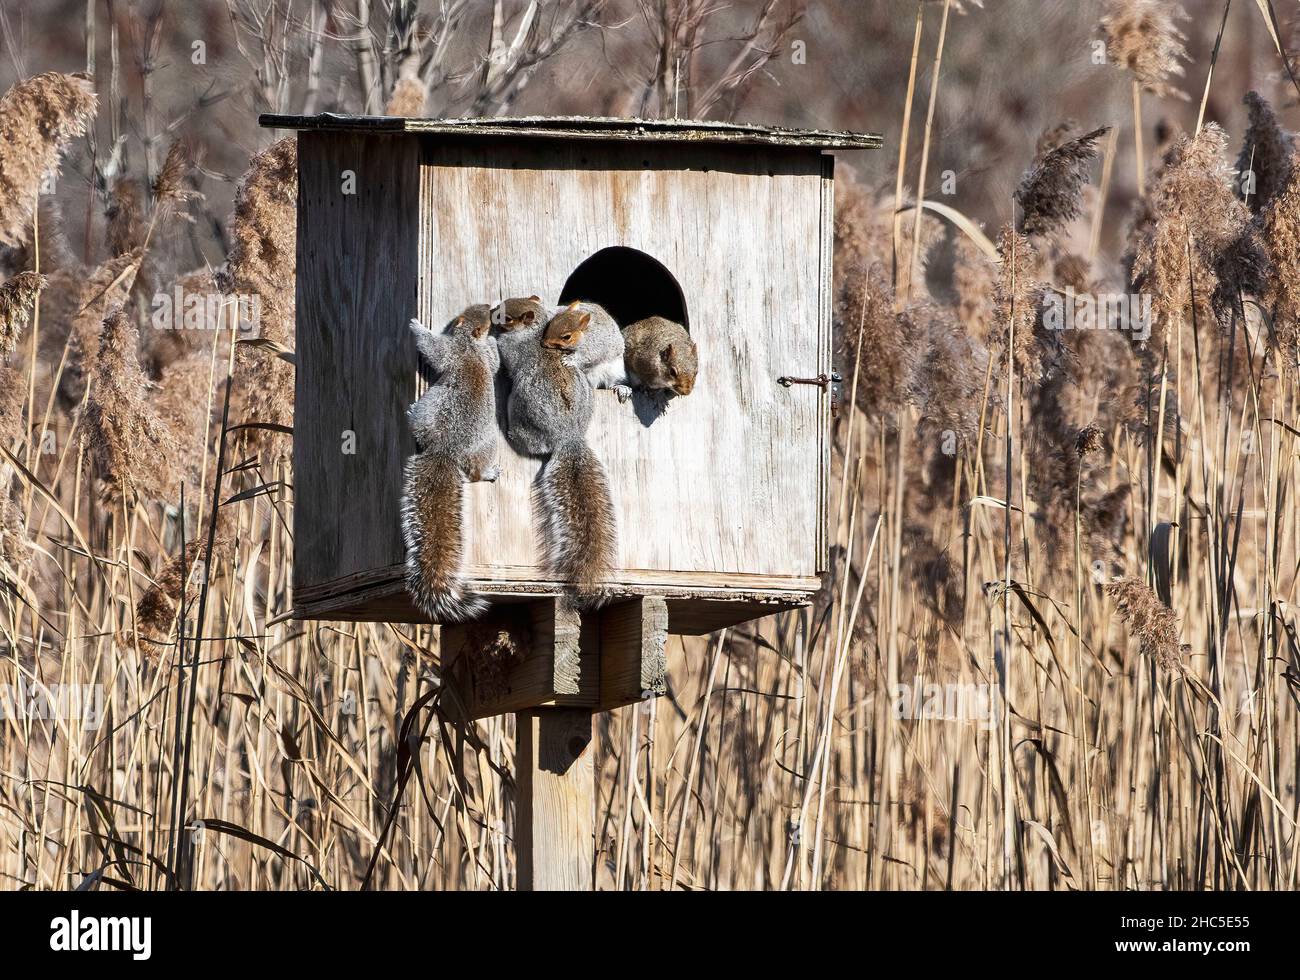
(824, 337)
(525, 578)
(633, 664)
(728, 480)
(356, 290)
(689, 616)
(555, 800)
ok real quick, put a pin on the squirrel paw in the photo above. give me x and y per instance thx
(624, 393)
(489, 475)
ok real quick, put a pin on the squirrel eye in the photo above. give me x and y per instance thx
(672, 371)
(567, 337)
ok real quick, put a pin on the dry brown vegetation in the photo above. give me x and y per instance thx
(1091, 533)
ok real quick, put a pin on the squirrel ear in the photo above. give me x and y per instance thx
(535, 299)
(574, 304)
(458, 322)
(667, 354)
(583, 321)
(529, 316)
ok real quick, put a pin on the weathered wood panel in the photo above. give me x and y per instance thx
(729, 481)
(824, 327)
(357, 276)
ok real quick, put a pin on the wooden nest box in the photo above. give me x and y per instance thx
(725, 228)
(722, 499)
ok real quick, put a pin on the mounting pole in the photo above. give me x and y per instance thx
(555, 800)
(571, 666)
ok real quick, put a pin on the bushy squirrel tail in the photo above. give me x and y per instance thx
(578, 526)
(433, 525)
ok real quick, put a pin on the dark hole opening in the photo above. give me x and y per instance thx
(630, 284)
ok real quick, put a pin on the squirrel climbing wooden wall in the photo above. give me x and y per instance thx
(722, 496)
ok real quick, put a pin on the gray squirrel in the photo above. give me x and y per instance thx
(454, 424)
(595, 341)
(548, 411)
(660, 356)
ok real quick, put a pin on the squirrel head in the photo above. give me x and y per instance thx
(566, 329)
(680, 365)
(519, 313)
(473, 323)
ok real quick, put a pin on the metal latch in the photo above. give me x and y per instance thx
(822, 381)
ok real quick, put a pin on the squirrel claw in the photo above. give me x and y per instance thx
(489, 475)
(624, 393)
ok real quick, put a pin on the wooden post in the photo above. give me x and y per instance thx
(555, 800)
(554, 667)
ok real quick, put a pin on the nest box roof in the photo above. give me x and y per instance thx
(585, 127)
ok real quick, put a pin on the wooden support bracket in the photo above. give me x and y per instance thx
(633, 664)
(545, 654)
(519, 657)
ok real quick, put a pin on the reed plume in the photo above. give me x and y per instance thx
(947, 384)
(184, 401)
(17, 297)
(1193, 245)
(1266, 151)
(169, 190)
(177, 581)
(13, 389)
(55, 250)
(1153, 624)
(75, 307)
(38, 117)
(407, 99)
(1142, 36)
(886, 340)
(128, 442)
(1015, 300)
(1279, 236)
(1049, 192)
(263, 227)
(262, 261)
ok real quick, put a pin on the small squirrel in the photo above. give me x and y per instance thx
(594, 339)
(548, 412)
(454, 424)
(549, 398)
(660, 356)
